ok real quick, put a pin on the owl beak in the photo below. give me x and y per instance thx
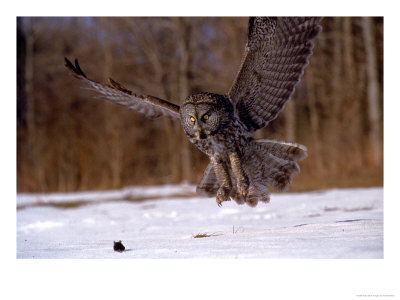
(200, 134)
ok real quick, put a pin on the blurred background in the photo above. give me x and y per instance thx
(69, 141)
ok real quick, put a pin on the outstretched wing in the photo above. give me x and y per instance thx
(151, 107)
(277, 51)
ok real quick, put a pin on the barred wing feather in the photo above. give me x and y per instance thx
(150, 106)
(276, 53)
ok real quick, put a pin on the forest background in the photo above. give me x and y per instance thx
(67, 140)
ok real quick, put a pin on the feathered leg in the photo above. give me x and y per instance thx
(221, 170)
(242, 182)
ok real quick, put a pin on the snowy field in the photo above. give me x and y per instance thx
(172, 222)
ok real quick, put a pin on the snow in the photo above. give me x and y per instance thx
(128, 193)
(338, 223)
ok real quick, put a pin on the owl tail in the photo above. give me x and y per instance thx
(276, 162)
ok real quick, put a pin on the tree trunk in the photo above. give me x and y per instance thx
(290, 121)
(374, 143)
(184, 90)
(33, 153)
(334, 129)
(351, 111)
(316, 152)
(112, 121)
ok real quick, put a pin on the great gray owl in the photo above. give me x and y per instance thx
(241, 168)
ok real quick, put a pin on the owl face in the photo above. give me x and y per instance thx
(204, 114)
(200, 120)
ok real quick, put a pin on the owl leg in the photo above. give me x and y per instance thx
(222, 173)
(241, 179)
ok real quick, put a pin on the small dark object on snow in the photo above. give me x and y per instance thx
(118, 246)
(203, 235)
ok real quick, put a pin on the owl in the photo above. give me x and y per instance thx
(241, 167)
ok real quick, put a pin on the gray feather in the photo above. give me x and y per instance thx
(277, 51)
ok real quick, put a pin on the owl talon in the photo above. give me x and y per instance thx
(243, 187)
(243, 190)
(221, 198)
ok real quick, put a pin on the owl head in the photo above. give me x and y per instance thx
(202, 115)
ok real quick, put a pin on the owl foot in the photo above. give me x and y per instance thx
(220, 200)
(239, 199)
(222, 195)
(243, 187)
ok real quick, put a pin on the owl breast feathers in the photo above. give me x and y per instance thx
(221, 126)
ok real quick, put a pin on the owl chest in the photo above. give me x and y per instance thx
(224, 142)
(213, 146)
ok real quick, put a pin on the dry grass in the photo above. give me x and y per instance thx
(205, 234)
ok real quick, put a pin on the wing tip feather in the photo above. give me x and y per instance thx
(75, 69)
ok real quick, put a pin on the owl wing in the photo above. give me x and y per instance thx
(151, 107)
(276, 53)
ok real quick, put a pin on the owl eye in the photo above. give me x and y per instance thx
(205, 117)
(192, 119)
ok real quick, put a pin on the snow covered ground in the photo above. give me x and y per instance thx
(339, 223)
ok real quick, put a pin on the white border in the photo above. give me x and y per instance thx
(197, 279)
